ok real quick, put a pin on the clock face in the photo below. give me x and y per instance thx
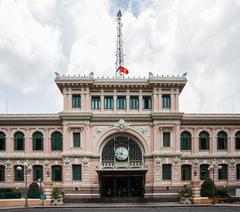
(121, 153)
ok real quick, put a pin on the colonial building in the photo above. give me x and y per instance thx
(119, 138)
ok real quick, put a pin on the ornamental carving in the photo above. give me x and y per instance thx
(144, 131)
(121, 126)
(98, 132)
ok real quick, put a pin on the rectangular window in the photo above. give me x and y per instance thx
(238, 171)
(223, 172)
(19, 173)
(166, 171)
(147, 102)
(76, 101)
(134, 102)
(37, 173)
(166, 139)
(96, 102)
(77, 139)
(121, 102)
(108, 102)
(166, 101)
(76, 172)
(2, 173)
(186, 172)
(56, 173)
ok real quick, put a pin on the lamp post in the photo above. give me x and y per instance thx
(26, 171)
(212, 168)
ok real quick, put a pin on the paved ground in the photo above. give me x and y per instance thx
(131, 208)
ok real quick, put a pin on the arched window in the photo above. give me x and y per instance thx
(37, 173)
(186, 172)
(2, 141)
(56, 140)
(19, 173)
(204, 171)
(238, 171)
(18, 141)
(37, 140)
(237, 140)
(222, 140)
(186, 143)
(2, 173)
(109, 150)
(56, 173)
(203, 140)
(223, 172)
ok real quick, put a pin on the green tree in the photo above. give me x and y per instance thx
(207, 188)
(34, 191)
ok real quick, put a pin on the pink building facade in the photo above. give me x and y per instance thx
(119, 137)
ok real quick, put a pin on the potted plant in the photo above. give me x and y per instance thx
(185, 195)
(57, 198)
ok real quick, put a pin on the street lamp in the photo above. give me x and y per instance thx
(212, 168)
(26, 170)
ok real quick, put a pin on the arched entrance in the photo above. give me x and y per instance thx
(122, 172)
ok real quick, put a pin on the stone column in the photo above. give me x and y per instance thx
(102, 100)
(127, 101)
(140, 101)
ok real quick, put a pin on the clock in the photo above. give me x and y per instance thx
(121, 153)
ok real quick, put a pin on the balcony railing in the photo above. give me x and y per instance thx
(122, 165)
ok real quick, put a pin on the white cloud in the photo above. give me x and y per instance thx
(39, 37)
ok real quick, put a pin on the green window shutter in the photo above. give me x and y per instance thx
(238, 171)
(2, 141)
(56, 140)
(56, 173)
(76, 101)
(37, 141)
(134, 102)
(18, 141)
(37, 173)
(166, 139)
(186, 172)
(77, 172)
(76, 139)
(186, 141)
(166, 171)
(2, 173)
(166, 101)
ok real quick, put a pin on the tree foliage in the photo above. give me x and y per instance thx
(207, 188)
(34, 191)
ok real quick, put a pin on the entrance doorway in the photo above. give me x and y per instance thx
(121, 184)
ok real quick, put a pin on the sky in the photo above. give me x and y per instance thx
(41, 37)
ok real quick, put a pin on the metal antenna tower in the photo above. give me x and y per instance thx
(119, 52)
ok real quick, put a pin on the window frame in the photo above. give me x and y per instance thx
(16, 141)
(223, 172)
(59, 139)
(108, 102)
(54, 169)
(2, 141)
(74, 177)
(96, 102)
(73, 139)
(37, 141)
(3, 172)
(183, 175)
(76, 101)
(147, 102)
(223, 146)
(188, 146)
(207, 141)
(166, 101)
(169, 139)
(37, 168)
(165, 169)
